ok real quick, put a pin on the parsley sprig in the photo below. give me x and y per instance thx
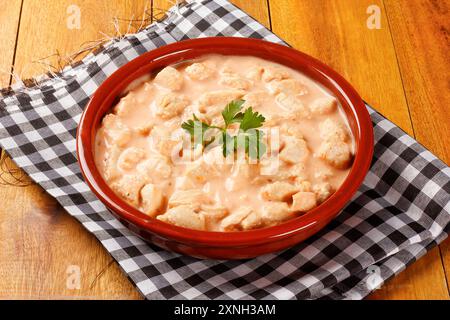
(248, 137)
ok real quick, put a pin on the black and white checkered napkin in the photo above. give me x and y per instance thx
(401, 211)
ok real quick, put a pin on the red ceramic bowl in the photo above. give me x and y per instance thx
(225, 245)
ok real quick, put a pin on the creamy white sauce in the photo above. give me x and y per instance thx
(315, 142)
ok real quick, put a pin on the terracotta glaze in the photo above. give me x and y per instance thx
(230, 244)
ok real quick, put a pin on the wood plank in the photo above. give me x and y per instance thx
(415, 284)
(40, 241)
(337, 34)
(420, 30)
(38, 40)
(34, 266)
(33, 230)
(9, 16)
(445, 251)
(32, 222)
(258, 9)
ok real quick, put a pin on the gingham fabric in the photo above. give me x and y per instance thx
(400, 212)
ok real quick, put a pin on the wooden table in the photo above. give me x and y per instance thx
(402, 69)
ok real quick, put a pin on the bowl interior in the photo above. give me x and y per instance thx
(109, 92)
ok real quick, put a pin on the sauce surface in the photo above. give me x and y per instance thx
(147, 158)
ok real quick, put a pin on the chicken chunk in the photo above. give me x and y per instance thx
(278, 191)
(233, 220)
(184, 216)
(336, 153)
(199, 71)
(241, 173)
(128, 187)
(235, 82)
(193, 197)
(227, 70)
(274, 73)
(199, 171)
(145, 129)
(213, 211)
(255, 73)
(155, 168)
(152, 199)
(170, 105)
(243, 169)
(129, 158)
(288, 87)
(332, 130)
(293, 172)
(115, 130)
(303, 201)
(218, 121)
(292, 104)
(280, 171)
(165, 142)
(112, 155)
(169, 78)
(216, 161)
(323, 191)
(323, 174)
(276, 212)
(123, 107)
(297, 170)
(323, 105)
(138, 84)
(303, 184)
(278, 119)
(290, 130)
(185, 183)
(255, 99)
(218, 98)
(252, 221)
(294, 151)
(213, 214)
(269, 167)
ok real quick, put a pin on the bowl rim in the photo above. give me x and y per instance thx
(324, 212)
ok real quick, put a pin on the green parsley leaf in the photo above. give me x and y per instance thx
(231, 113)
(228, 142)
(248, 137)
(251, 142)
(197, 129)
(251, 120)
(255, 147)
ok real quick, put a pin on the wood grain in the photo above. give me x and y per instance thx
(258, 9)
(424, 279)
(445, 252)
(420, 30)
(40, 243)
(38, 40)
(404, 64)
(336, 32)
(421, 34)
(39, 239)
(9, 17)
